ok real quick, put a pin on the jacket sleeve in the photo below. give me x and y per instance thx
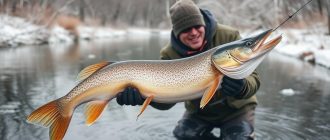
(164, 52)
(251, 87)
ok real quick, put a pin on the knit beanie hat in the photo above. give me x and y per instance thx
(185, 14)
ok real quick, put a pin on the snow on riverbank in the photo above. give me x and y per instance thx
(308, 44)
(17, 31)
(311, 46)
(86, 32)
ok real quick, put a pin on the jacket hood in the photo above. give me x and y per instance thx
(210, 26)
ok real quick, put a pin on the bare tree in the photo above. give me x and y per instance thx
(81, 10)
(328, 13)
(250, 14)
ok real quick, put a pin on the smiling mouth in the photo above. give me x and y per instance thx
(195, 39)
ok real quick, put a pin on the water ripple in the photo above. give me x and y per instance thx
(9, 108)
(270, 126)
(120, 123)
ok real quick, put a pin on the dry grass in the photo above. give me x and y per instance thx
(69, 23)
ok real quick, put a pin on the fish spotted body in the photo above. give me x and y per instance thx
(163, 81)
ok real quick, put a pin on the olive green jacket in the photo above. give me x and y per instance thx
(217, 111)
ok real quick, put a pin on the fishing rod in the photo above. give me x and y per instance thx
(290, 16)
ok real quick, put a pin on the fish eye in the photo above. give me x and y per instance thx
(248, 43)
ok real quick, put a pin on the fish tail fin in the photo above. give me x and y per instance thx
(49, 115)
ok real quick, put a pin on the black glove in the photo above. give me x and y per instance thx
(130, 96)
(232, 87)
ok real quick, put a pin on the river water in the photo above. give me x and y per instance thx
(293, 98)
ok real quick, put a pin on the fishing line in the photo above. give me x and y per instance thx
(290, 16)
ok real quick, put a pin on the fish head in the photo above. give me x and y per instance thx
(236, 53)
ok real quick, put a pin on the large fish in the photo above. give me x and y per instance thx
(163, 81)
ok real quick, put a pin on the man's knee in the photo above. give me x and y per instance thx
(191, 129)
(238, 131)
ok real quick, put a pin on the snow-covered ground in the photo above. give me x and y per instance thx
(312, 46)
(17, 31)
(306, 44)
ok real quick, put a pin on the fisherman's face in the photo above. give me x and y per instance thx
(193, 37)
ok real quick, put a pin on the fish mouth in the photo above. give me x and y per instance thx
(261, 47)
(240, 58)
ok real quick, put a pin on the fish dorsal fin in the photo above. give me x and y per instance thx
(93, 110)
(209, 92)
(86, 72)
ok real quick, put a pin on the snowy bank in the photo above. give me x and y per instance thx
(311, 46)
(87, 32)
(323, 57)
(15, 31)
(58, 35)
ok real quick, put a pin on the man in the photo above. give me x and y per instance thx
(232, 108)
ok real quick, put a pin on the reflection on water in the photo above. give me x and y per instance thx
(33, 75)
(300, 116)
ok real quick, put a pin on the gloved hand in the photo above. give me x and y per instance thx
(130, 96)
(232, 87)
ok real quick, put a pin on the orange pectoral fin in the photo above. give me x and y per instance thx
(145, 104)
(93, 110)
(209, 92)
